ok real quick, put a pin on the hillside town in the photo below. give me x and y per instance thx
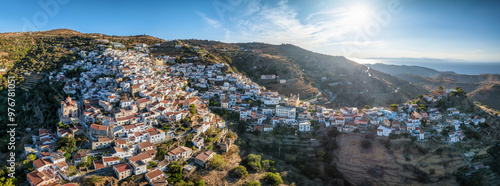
(128, 103)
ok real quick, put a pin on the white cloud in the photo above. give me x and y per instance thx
(279, 23)
(212, 22)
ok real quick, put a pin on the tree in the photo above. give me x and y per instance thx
(5, 180)
(192, 109)
(367, 107)
(161, 152)
(239, 171)
(217, 162)
(29, 158)
(253, 158)
(268, 165)
(175, 172)
(66, 144)
(273, 178)
(67, 156)
(253, 161)
(86, 162)
(422, 107)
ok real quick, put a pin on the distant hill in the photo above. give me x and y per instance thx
(404, 69)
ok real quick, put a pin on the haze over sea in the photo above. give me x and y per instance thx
(457, 66)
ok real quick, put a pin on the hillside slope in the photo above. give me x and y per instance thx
(487, 95)
(482, 88)
(342, 82)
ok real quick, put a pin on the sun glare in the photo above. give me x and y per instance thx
(358, 15)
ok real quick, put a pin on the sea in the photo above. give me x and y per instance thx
(457, 66)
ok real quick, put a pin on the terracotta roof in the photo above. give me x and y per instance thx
(163, 163)
(144, 145)
(143, 100)
(62, 164)
(99, 127)
(109, 159)
(204, 156)
(141, 156)
(178, 150)
(41, 162)
(98, 165)
(103, 139)
(126, 127)
(36, 177)
(118, 149)
(154, 174)
(122, 167)
(121, 141)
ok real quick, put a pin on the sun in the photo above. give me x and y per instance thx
(358, 15)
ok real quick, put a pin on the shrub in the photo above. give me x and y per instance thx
(217, 162)
(256, 166)
(273, 178)
(239, 171)
(268, 165)
(253, 161)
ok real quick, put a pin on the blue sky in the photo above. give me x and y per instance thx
(460, 29)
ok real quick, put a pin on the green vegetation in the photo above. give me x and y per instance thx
(239, 171)
(217, 162)
(273, 178)
(175, 173)
(192, 109)
(253, 183)
(393, 107)
(86, 162)
(268, 165)
(200, 183)
(29, 158)
(66, 144)
(252, 161)
(458, 92)
(5, 180)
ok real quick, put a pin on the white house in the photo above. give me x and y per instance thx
(383, 131)
(305, 126)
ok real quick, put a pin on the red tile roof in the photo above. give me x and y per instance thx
(122, 167)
